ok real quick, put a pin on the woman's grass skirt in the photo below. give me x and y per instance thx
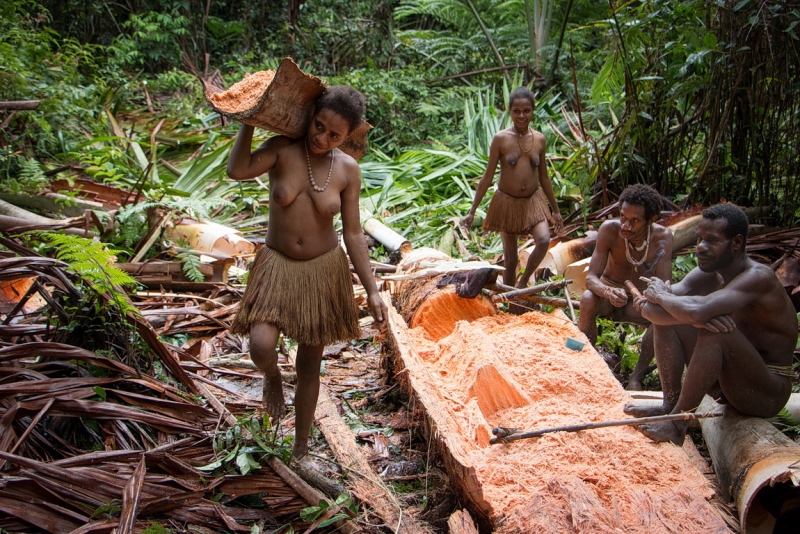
(311, 301)
(515, 215)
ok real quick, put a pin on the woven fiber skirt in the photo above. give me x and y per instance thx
(311, 301)
(514, 215)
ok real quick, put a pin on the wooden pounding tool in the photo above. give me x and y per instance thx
(504, 435)
(633, 289)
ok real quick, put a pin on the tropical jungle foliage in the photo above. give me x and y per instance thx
(697, 98)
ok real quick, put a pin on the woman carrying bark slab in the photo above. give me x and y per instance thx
(300, 282)
(520, 204)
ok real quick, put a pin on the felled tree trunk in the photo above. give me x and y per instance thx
(422, 302)
(516, 372)
(757, 469)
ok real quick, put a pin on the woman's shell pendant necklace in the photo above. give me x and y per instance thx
(519, 142)
(311, 175)
(645, 246)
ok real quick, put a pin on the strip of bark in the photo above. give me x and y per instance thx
(361, 479)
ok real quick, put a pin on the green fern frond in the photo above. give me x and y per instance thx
(29, 180)
(190, 263)
(131, 229)
(94, 262)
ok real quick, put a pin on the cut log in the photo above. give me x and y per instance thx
(11, 210)
(210, 237)
(361, 479)
(460, 522)
(684, 233)
(758, 468)
(560, 255)
(53, 203)
(384, 235)
(20, 104)
(515, 371)
(421, 302)
(153, 273)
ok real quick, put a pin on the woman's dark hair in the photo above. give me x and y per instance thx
(345, 101)
(521, 92)
(738, 224)
(644, 195)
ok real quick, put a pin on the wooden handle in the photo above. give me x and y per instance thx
(633, 289)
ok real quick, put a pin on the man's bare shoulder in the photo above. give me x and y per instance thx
(662, 236)
(661, 232)
(759, 275)
(608, 228)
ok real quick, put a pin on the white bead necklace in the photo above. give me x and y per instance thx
(311, 175)
(645, 246)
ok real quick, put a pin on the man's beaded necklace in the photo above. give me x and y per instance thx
(645, 246)
(311, 175)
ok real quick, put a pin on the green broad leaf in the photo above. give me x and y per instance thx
(245, 463)
(313, 512)
(333, 519)
(211, 466)
(100, 392)
(342, 500)
(231, 455)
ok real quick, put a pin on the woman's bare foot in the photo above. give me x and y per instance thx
(666, 431)
(272, 397)
(637, 410)
(306, 462)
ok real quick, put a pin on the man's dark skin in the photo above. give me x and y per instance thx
(609, 261)
(727, 320)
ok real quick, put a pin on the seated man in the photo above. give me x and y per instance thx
(627, 249)
(730, 322)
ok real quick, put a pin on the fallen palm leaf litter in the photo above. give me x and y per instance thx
(92, 443)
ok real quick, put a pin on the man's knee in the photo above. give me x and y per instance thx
(589, 302)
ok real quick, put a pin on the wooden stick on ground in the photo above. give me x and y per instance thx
(504, 435)
(361, 480)
(311, 495)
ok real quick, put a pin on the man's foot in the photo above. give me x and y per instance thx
(637, 410)
(272, 397)
(666, 431)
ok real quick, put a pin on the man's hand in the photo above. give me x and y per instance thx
(720, 324)
(616, 296)
(656, 288)
(638, 303)
(377, 308)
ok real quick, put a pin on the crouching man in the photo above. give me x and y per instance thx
(627, 248)
(729, 322)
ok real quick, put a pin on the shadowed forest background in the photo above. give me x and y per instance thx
(696, 98)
